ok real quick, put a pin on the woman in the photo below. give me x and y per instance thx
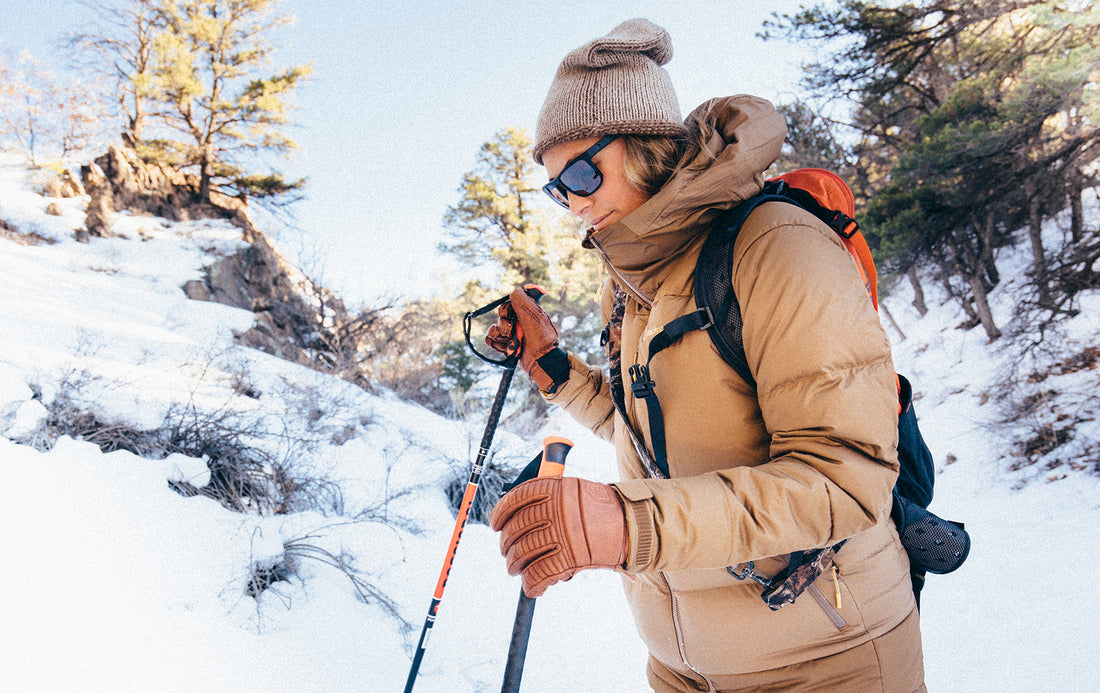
(803, 460)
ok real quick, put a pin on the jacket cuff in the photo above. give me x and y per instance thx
(641, 530)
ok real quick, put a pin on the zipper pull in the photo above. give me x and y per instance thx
(836, 584)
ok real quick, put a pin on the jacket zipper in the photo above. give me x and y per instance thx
(640, 449)
(680, 635)
(618, 275)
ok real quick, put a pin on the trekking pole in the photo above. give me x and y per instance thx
(508, 363)
(550, 463)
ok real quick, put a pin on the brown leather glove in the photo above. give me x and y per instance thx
(552, 527)
(522, 325)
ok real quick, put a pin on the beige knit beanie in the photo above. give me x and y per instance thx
(612, 85)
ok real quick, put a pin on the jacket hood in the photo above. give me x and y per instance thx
(740, 137)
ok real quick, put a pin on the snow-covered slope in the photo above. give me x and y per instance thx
(111, 581)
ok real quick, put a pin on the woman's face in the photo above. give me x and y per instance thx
(616, 196)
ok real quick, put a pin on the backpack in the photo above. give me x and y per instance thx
(934, 545)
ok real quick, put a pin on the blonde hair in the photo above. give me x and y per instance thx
(651, 160)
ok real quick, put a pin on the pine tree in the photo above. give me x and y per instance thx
(501, 223)
(495, 221)
(501, 230)
(960, 112)
(214, 90)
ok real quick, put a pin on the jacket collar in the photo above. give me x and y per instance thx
(741, 136)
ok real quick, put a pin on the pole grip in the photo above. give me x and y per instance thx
(535, 291)
(511, 358)
(554, 452)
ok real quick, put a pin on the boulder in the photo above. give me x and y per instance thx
(99, 215)
(196, 290)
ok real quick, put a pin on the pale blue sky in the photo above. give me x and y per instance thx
(404, 94)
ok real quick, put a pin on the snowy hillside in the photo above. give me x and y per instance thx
(112, 581)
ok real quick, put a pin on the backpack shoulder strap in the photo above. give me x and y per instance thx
(642, 385)
(713, 283)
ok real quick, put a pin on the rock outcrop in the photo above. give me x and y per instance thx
(120, 180)
(294, 316)
(100, 211)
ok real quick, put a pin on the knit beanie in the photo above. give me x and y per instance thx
(612, 85)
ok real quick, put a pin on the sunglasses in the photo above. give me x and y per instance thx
(580, 176)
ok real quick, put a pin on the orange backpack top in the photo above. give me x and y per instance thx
(832, 201)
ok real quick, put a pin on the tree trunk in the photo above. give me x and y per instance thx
(981, 306)
(206, 172)
(960, 261)
(204, 184)
(1035, 234)
(918, 291)
(884, 310)
(1077, 212)
(137, 125)
(945, 277)
(989, 264)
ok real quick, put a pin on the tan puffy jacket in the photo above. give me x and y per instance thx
(806, 459)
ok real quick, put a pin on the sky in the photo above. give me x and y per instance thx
(404, 94)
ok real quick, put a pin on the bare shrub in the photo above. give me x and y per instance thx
(70, 414)
(1044, 303)
(263, 574)
(266, 573)
(400, 352)
(302, 548)
(1052, 419)
(338, 342)
(490, 488)
(253, 467)
(66, 418)
(247, 472)
(243, 477)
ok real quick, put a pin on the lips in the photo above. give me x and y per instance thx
(598, 224)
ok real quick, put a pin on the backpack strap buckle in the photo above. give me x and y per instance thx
(706, 318)
(749, 572)
(641, 384)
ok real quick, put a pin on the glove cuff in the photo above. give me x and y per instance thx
(551, 370)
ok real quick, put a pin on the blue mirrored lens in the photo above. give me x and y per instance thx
(581, 177)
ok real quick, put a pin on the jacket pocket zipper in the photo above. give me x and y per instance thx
(827, 606)
(680, 635)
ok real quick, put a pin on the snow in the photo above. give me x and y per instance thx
(114, 582)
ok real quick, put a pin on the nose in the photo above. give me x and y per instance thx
(578, 204)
